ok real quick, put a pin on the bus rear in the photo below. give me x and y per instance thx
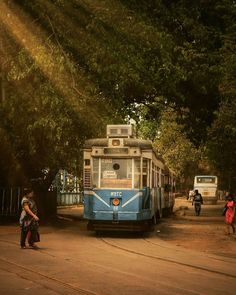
(207, 187)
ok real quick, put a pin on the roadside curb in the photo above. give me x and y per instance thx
(70, 206)
(69, 217)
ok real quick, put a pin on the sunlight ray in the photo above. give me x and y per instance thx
(30, 37)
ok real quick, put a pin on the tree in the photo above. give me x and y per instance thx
(172, 144)
(222, 144)
(43, 118)
(86, 63)
(196, 30)
(134, 52)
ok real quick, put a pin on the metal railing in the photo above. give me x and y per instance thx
(69, 198)
(10, 199)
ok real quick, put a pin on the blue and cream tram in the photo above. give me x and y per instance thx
(126, 185)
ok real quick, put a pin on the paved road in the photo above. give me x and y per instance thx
(72, 260)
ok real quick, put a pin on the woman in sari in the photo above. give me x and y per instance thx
(230, 213)
(29, 220)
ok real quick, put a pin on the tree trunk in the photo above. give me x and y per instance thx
(47, 204)
(2, 86)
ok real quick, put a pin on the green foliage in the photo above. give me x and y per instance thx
(197, 30)
(176, 149)
(70, 67)
(222, 143)
(44, 124)
(10, 171)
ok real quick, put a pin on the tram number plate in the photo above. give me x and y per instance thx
(116, 194)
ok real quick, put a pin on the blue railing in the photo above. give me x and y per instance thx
(69, 199)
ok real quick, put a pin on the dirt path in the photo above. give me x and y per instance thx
(205, 233)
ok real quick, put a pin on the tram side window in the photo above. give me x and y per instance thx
(153, 176)
(137, 173)
(145, 172)
(157, 176)
(167, 186)
(95, 172)
(157, 179)
(162, 180)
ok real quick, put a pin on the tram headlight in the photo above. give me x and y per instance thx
(115, 142)
(116, 202)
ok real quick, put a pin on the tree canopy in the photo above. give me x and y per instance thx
(67, 68)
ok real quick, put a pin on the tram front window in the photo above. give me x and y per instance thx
(116, 173)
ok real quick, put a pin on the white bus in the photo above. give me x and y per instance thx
(207, 187)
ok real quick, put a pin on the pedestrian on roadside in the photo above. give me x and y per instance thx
(190, 195)
(29, 220)
(197, 201)
(230, 213)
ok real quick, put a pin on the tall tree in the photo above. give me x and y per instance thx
(84, 63)
(173, 145)
(222, 144)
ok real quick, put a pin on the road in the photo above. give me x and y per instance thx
(72, 260)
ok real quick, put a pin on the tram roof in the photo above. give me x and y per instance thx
(131, 142)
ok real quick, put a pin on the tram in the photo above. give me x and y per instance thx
(127, 186)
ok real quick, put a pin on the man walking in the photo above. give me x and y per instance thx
(197, 201)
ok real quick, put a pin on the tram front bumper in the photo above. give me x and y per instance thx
(119, 216)
(122, 225)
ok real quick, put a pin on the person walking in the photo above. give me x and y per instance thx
(197, 201)
(29, 220)
(230, 214)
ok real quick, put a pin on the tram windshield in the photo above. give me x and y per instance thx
(116, 173)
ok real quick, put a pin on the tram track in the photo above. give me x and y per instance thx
(167, 259)
(67, 286)
(210, 256)
(61, 287)
(17, 244)
(29, 274)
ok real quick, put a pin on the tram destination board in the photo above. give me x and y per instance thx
(116, 151)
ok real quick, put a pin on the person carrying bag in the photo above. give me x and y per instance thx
(29, 220)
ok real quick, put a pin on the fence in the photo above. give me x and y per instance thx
(10, 199)
(69, 199)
